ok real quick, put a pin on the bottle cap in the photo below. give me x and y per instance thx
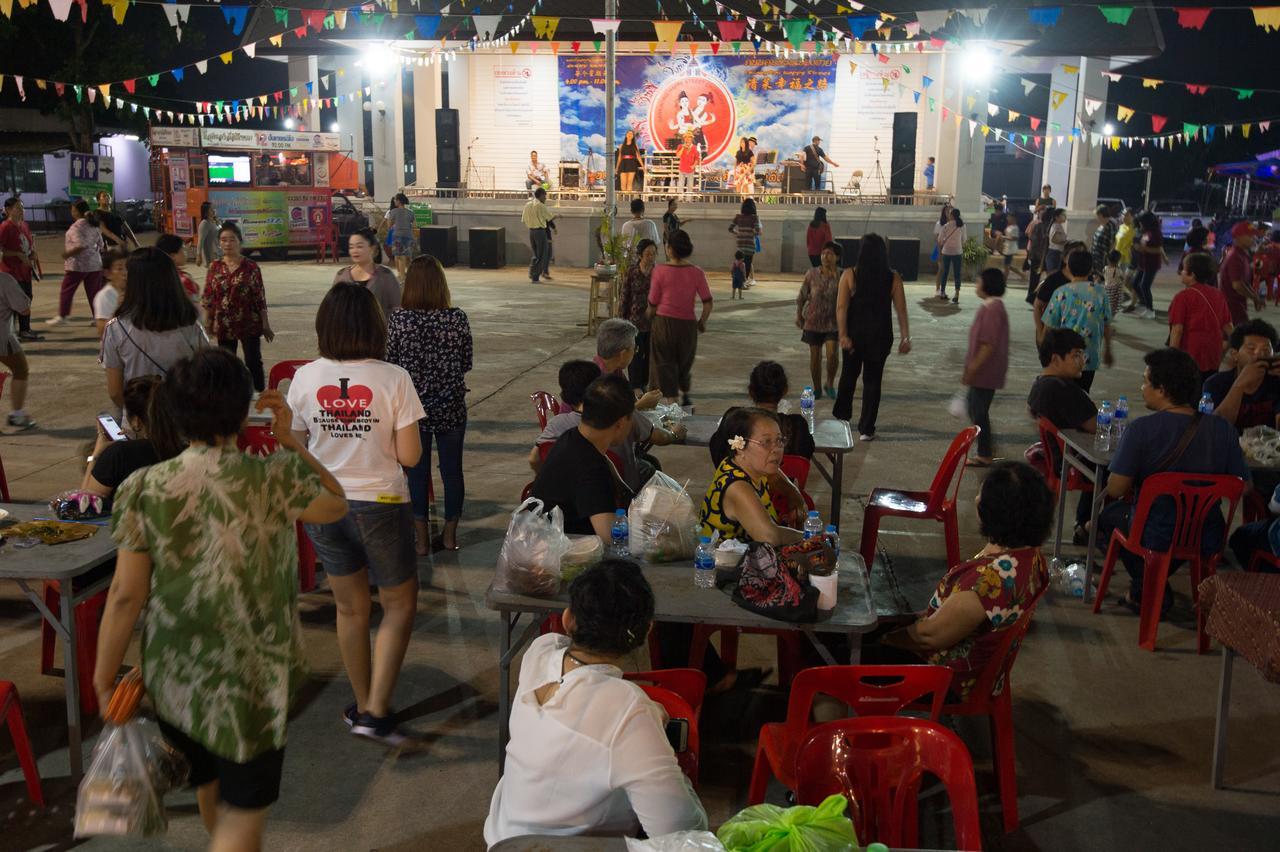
(706, 539)
(813, 513)
(620, 513)
(831, 528)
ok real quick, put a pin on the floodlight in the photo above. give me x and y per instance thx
(977, 63)
(333, 128)
(1108, 129)
(288, 124)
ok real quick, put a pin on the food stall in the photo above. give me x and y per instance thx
(277, 185)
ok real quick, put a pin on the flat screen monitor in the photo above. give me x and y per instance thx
(229, 171)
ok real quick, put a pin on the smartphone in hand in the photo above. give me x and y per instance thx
(111, 428)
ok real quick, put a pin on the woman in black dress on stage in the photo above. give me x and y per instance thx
(628, 162)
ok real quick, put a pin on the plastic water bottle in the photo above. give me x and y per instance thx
(812, 525)
(1119, 420)
(704, 564)
(806, 407)
(833, 536)
(1102, 438)
(619, 534)
(1206, 404)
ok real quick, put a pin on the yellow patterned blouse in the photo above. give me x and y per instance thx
(713, 516)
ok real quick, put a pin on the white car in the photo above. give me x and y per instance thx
(1175, 217)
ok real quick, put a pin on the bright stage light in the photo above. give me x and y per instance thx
(977, 63)
(377, 62)
(333, 128)
(288, 124)
(1108, 129)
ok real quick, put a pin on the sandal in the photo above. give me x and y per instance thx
(437, 544)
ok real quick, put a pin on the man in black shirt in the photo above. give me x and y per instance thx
(1249, 395)
(996, 226)
(1069, 271)
(1056, 396)
(577, 475)
(813, 158)
(111, 224)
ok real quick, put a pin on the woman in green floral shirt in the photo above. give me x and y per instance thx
(206, 543)
(978, 600)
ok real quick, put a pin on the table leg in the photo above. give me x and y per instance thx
(837, 481)
(1220, 729)
(1098, 497)
(1062, 503)
(71, 671)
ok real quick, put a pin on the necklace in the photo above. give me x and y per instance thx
(578, 660)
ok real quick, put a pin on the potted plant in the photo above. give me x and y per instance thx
(975, 256)
(613, 249)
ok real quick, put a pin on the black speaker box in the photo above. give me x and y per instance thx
(902, 163)
(448, 155)
(488, 247)
(441, 242)
(904, 256)
(848, 250)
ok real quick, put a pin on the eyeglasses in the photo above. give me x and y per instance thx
(770, 445)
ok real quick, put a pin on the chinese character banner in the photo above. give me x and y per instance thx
(718, 100)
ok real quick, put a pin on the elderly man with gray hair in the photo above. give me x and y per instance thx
(615, 347)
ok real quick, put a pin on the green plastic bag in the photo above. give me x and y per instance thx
(769, 828)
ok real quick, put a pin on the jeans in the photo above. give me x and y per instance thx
(449, 446)
(813, 180)
(1142, 281)
(1052, 260)
(540, 242)
(252, 357)
(980, 415)
(71, 282)
(950, 261)
(851, 367)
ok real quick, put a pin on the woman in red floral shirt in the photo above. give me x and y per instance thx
(235, 303)
(979, 599)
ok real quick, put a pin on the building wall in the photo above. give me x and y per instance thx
(503, 141)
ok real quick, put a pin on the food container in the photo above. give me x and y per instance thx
(826, 586)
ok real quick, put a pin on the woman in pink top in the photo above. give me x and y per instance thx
(673, 335)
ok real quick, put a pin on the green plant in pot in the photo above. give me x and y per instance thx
(975, 256)
(613, 248)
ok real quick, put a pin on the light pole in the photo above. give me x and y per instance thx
(610, 36)
(1146, 195)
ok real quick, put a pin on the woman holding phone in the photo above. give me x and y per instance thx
(116, 455)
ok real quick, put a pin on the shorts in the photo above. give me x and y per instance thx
(251, 786)
(817, 338)
(402, 246)
(377, 536)
(9, 344)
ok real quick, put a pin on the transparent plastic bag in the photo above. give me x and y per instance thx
(677, 841)
(121, 792)
(662, 521)
(584, 551)
(529, 563)
(670, 413)
(770, 828)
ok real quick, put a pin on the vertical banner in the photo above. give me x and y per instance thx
(180, 181)
(717, 99)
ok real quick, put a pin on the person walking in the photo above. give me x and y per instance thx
(366, 269)
(670, 220)
(537, 218)
(207, 248)
(14, 301)
(206, 559)
(81, 260)
(235, 303)
(746, 230)
(866, 335)
(951, 251)
(155, 325)
(637, 228)
(816, 317)
(673, 287)
(115, 232)
(1149, 249)
(1124, 245)
(986, 362)
(817, 236)
(1037, 248)
(1104, 239)
(634, 307)
(17, 258)
(400, 232)
(431, 340)
(1235, 279)
(359, 415)
(1057, 240)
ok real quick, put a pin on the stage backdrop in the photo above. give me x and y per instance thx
(781, 102)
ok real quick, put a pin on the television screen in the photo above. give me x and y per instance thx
(225, 171)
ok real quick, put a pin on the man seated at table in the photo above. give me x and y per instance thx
(575, 377)
(1056, 396)
(577, 475)
(1249, 395)
(1175, 438)
(1263, 535)
(615, 349)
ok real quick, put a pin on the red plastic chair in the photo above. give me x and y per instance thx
(1195, 495)
(258, 441)
(88, 618)
(877, 763)
(1049, 436)
(1255, 507)
(936, 504)
(11, 712)
(283, 371)
(328, 245)
(779, 741)
(992, 696)
(797, 470)
(546, 405)
(678, 708)
(689, 684)
(789, 642)
(1261, 558)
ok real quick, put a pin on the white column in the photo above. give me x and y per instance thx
(961, 156)
(426, 98)
(1082, 194)
(351, 116)
(1057, 158)
(388, 147)
(303, 70)
(930, 122)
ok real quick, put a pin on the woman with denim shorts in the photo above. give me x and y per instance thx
(359, 415)
(400, 232)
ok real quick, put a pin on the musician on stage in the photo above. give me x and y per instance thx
(813, 159)
(536, 175)
(690, 161)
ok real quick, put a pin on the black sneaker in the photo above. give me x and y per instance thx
(380, 729)
(349, 714)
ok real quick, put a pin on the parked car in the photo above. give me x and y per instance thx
(1115, 206)
(1175, 217)
(347, 218)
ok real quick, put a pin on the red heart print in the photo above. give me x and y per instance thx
(345, 402)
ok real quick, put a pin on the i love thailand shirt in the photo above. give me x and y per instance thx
(351, 411)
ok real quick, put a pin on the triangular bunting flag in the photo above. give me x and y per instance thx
(118, 9)
(1035, 122)
(932, 20)
(1197, 90)
(276, 40)
(486, 26)
(1150, 83)
(1192, 19)
(731, 30)
(992, 109)
(605, 25)
(544, 26)
(926, 81)
(797, 31)
(251, 50)
(426, 25)
(1014, 116)
(235, 16)
(1116, 14)
(1123, 113)
(1091, 105)
(1056, 98)
(1244, 94)
(60, 8)
(1157, 123)
(225, 57)
(1190, 130)
(978, 16)
(667, 31)
(1045, 16)
(1268, 18)
(1027, 85)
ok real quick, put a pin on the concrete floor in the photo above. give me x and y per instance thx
(1113, 742)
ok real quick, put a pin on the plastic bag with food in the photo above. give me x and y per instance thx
(663, 522)
(677, 841)
(803, 828)
(529, 563)
(584, 551)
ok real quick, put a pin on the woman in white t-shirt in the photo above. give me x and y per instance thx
(359, 415)
(950, 252)
(115, 272)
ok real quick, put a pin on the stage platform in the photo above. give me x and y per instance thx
(784, 219)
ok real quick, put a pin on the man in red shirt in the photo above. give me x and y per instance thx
(1199, 319)
(1235, 280)
(17, 251)
(690, 158)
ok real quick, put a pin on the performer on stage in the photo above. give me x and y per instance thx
(690, 162)
(627, 162)
(536, 174)
(813, 159)
(744, 172)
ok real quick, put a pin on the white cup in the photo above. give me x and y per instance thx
(826, 587)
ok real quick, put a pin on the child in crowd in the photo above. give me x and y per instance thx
(1113, 280)
(987, 360)
(1009, 247)
(115, 270)
(171, 244)
(739, 273)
